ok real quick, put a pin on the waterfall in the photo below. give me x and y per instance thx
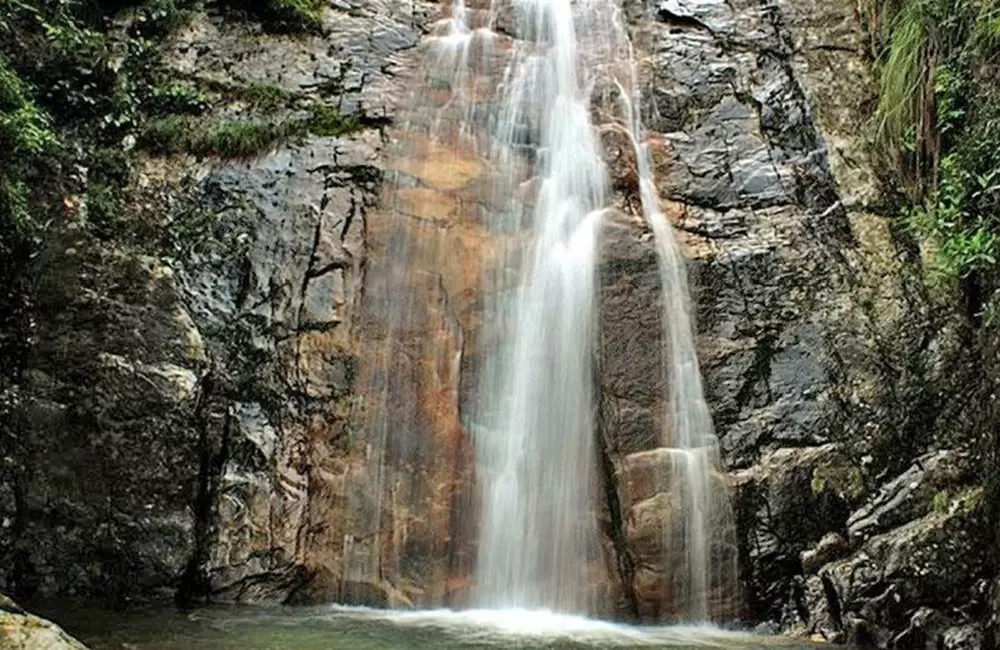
(524, 90)
(534, 441)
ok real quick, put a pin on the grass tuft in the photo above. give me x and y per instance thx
(937, 127)
(295, 15)
(235, 138)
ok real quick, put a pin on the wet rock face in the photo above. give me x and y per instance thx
(188, 412)
(823, 362)
(102, 478)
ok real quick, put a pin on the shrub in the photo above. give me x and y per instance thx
(238, 138)
(293, 15)
(25, 129)
(284, 16)
(938, 124)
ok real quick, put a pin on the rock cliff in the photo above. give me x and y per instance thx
(197, 412)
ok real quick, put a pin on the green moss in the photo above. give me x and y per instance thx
(940, 502)
(259, 95)
(840, 477)
(176, 98)
(818, 483)
(227, 139)
(971, 500)
(329, 122)
(262, 94)
(967, 502)
(293, 15)
(168, 135)
(237, 138)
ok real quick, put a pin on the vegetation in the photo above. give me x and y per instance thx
(238, 138)
(284, 16)
(261, 95)
(61, 72)
(25, 134)
(938, 126)
(293, 15)
(158, 18)
(965, 502)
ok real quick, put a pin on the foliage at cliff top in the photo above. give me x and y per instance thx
(938, 124)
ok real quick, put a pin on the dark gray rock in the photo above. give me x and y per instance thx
(910, 495)
(933, 563)
(964, 637)
(831, 547)
(784, 506)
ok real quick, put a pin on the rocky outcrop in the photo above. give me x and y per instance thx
(187, 412)
(20, 630)
(825, 360)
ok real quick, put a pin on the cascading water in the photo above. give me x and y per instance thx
(534, 437)
(566, 74)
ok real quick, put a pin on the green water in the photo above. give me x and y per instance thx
(334, 628)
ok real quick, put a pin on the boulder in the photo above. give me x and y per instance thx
(906, 583)
(20, 630)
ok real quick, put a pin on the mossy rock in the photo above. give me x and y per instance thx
(22, 631)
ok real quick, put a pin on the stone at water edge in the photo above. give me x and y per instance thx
(20, 630)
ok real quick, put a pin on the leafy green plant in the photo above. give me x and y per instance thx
(25, 134)
(158, 18)
(916, 41)
(938, 125)
(262, 94)
(294, 15)
(327, 121)
(177, 99)
(24, 128)
(284, 16)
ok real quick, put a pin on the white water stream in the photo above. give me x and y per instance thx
(533, 419)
